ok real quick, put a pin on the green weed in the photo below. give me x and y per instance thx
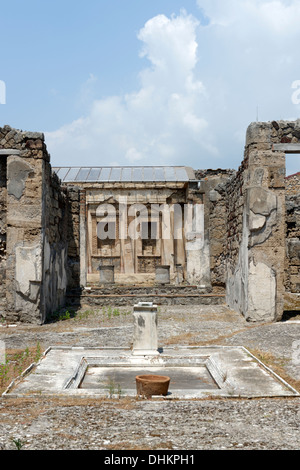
(18, 443)
(114, 388)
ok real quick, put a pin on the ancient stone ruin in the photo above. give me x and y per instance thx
(223, 232)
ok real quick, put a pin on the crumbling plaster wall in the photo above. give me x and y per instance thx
(256, 254)
(35, 248)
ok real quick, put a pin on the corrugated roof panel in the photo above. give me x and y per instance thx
(126, 174)
(94, 174)
(148, 173)
(105, 174)
(61, 172)
(83, 174)
(159, 174)
(170, 174)
(72, 174)
(115, 174)
(181, 174)
(137, 174)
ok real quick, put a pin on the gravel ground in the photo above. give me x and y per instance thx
(132, 424)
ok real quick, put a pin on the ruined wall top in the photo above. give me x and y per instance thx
(29, 144)
(273, 132)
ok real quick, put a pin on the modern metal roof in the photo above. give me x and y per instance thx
(125, 174)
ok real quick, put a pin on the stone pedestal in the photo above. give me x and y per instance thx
(145, 330)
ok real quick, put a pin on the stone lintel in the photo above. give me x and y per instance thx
(287, 148)
(6, 152)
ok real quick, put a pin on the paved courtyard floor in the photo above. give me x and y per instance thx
(128, 423)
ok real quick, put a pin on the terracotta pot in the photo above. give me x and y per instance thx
(148, 385)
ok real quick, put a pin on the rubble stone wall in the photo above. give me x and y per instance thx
(36, 248)
(55, 243)
(256, 263)
(73, 235)
(2, 232)
(213, 185)
(292, 271)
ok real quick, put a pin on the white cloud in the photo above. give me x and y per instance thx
(161, 123)
(280, 16)
(132, 155)
(170, 45)
(204, 84)
(249, 63)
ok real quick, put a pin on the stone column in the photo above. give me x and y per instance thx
(197, 252)
(83, 235)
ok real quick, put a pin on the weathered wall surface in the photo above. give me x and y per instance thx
(55, 243)
(197, 247)
(35, 245)
(236, 267)
(213, 185)
(256, 269)
(249, 223)
(73, 235)
(292, 280)
(135, 259)
(3, 229)
(24, 215)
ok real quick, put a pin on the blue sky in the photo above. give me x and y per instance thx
(142, 82)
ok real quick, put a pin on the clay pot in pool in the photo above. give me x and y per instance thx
(148, 385)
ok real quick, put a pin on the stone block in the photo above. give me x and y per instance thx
(258, 132)
(276, 177)
(294, 248)
(145, 340)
